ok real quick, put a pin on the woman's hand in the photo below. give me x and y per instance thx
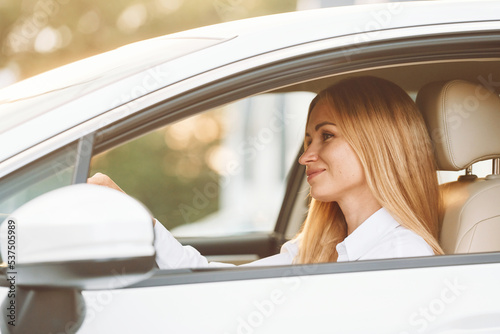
(101, 179)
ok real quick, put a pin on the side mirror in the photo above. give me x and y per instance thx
(67, 240)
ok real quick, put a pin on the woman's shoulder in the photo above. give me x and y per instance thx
(406, 243)
(396, 240)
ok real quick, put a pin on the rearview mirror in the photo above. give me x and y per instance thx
(67, 240)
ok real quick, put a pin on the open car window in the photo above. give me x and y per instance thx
(219, 173)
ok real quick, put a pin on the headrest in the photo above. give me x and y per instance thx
(463, 120)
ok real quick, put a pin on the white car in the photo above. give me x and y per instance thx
(80, 258)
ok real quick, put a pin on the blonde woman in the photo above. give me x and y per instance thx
(372, 178)
(372, 174)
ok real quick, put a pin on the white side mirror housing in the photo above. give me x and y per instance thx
(79, 236)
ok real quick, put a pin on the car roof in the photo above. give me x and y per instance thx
(65, 97)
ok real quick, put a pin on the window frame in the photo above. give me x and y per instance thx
(288, 71)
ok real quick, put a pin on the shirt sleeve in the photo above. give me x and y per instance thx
(171, 254)
(287, 253)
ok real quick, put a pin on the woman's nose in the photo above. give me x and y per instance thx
(309, 155)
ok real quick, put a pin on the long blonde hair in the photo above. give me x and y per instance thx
(387, 132)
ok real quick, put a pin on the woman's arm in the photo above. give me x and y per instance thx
(171, 254)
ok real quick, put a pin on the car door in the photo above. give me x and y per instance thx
(434, 295)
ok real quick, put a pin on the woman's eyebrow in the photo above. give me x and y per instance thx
(322, 124)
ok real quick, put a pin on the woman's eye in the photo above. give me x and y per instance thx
(327, 136)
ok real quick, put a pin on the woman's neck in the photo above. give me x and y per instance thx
(357, 210)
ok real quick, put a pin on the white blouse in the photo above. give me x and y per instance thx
(378, 237)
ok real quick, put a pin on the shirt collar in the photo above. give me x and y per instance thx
(366, 236)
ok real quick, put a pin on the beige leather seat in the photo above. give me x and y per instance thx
(463, 120)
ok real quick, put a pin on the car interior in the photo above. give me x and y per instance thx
(461, 106)
(470, 220)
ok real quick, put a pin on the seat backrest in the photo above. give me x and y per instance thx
(463, 120)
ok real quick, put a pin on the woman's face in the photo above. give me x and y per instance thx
(333, 170)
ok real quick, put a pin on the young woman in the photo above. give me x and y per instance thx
(372, 177)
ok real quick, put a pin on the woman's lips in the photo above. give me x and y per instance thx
(313, 173)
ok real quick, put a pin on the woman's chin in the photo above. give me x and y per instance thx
(321, 196)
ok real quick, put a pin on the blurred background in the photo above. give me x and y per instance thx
(38, 35)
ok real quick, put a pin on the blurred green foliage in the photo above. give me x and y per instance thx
(170, 176)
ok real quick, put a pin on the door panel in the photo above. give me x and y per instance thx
(408, 300)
